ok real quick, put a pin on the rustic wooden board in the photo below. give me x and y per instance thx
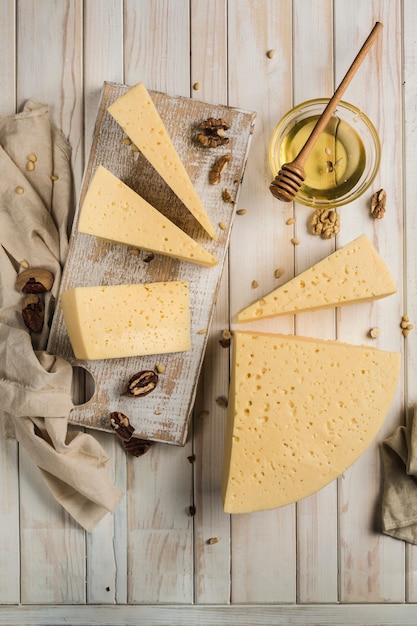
(163, 415)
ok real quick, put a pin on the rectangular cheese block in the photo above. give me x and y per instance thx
(300, 412)
(127, 320)
(354, 273)
(137, 115)
(112, 210)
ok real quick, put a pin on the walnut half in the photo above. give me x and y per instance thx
(378, 202)
(213, 133)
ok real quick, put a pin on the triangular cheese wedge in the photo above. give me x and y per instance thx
(136, 113)
(301, 411)
(354, 273)
(112, 210)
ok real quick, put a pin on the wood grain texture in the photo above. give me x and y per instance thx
(212, 560)
(163, 415)
(324, 560)
(317, 518)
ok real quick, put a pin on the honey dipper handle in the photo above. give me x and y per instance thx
(337, 96)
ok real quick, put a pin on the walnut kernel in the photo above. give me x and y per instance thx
(325, 222)
(378, 202)
(34, 280)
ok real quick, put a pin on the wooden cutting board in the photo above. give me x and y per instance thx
(164, 414)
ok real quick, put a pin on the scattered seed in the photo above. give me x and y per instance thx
(32, 157)
(222, 225)
(19, 190)
(158, 412)
(405, 318)
(374, 333)
(149, 257)
(278, 272)
(191, 458)
(290, 220)
(127, 141)
(30, 166)
(327, 151)
(202, 331)
(270, 54)
(134, 148)
(204, 413)
(227, 196)
(160, 368)
(241, 212)
(405, 332)
(410, 326)
(295, 241)
(226, 338)
(404, 324)
(212, 540)
(254, 284)
(54, 177)
(222, 402)
(24, 264)
(133, 251)
(196, 86)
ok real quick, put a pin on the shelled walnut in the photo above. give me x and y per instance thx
(217, 169)
(121, 425)
(213, 133)
(35, 280)
(140, 384)
(33, 312)
(378, 202)
(325, 222)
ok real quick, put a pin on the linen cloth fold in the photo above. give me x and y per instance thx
(399, 493)
(36, 210)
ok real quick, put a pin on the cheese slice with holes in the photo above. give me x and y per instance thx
(301, 411)
(127, 320)
(112, 210)
(136, 113)
(354, 273)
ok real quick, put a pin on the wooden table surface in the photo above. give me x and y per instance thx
(324, 560)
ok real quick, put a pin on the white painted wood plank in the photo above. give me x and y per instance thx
(103, 56)
(7, 55)
(49, 68)
(263, 544)
(9, 481)
(49, 44)
(317, 523)
(157, 45)
(244, 615)
(410, 230)
(371, 565)
(212, 560)
(107, 544)
(159, 488)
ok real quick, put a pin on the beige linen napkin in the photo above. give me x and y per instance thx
(399, 494)
(35, 387)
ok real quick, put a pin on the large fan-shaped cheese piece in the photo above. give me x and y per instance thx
(136, 113)
(117, 321)
(112, 210)
(354, 273)
(301, 411)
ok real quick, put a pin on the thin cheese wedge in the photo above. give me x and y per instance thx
(112, 210)
(301, 411)
(127, 320)
(354, 273)
(136, 113)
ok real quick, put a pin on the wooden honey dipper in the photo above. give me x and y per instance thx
(291, 176)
